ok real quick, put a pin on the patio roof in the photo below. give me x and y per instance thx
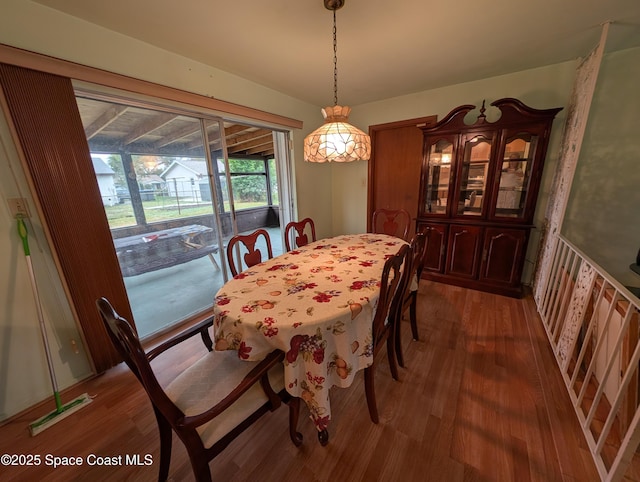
(114, 128)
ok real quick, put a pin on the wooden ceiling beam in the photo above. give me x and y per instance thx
(261, 151)
(107, 117)
(148, 126)
(249, 144)
(248, 137)
(235, 129)
(176, 136)
(253, 139)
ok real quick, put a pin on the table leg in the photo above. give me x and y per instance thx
(213, 260)
(323, 437)
(296, 437)
(294, 411)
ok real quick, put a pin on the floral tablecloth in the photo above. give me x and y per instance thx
(316, 303)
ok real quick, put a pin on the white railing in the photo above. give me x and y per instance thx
(592, 323)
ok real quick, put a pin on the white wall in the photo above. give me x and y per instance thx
(603, 212)
(24, 377)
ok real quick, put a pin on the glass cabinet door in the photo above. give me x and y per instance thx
(472, 184)
(439, 159)
(515, 175)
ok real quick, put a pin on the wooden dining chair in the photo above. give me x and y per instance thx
(394, 276)
(418, 248)
(207, 405)
(297, 229)
(247, 242)
(394, 222)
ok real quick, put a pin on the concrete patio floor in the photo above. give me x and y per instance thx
(167, 296)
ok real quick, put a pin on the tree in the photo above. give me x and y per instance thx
(251, 187)
(115, 163)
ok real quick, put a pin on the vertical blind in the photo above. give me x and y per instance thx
(43, 111)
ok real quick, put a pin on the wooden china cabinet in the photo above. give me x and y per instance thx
(478, 192)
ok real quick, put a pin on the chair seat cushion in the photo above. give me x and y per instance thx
(209, 380)
(413, 286)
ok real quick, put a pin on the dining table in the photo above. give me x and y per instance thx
(316, 303)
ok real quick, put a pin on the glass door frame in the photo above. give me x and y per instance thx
(281, 156)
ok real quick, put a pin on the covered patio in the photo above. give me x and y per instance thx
(180, 298)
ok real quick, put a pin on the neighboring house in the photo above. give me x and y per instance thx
(151, 181)
(106, 183)
(183, 178)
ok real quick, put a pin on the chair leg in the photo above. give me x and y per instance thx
(166, 437)
(206, 339)
(200, 466)
(370, 392)
(398, 342)
(413, 313)
(294, 413)
(391, 353)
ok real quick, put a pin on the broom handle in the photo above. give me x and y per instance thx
(22, 231)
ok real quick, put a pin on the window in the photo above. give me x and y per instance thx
(167, 200)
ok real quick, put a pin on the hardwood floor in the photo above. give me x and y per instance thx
(481, 399)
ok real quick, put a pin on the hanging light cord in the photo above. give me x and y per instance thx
(335, 60)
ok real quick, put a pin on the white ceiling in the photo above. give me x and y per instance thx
(385, 48)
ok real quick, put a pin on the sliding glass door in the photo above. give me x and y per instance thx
(175, 187)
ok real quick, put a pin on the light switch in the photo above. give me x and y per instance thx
(18, 206)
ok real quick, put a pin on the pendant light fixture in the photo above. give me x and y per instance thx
(336, 140)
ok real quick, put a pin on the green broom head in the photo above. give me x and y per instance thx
(61, 412)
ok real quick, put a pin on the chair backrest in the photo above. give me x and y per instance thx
(422, 258)
(300, 237)
(418, 252)
(392, 282)
(253, 255)
(394, 222)
(198, 405)
(127, 343)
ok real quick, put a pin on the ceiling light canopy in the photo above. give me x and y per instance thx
(336, 140)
